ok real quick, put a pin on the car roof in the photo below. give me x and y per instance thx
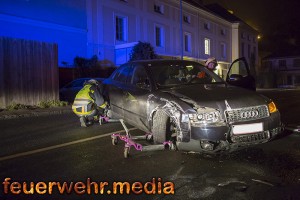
(162, 61)
(83, 79)
(98, 79)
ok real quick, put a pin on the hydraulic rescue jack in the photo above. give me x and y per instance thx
(130, 142)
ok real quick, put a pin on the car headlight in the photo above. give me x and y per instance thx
(272, 107)
(210, 117)
(204, 115)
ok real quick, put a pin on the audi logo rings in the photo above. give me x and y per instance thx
(249, 114)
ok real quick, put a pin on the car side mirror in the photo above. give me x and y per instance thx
(235, 77)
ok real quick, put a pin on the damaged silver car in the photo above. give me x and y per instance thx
(183, 102)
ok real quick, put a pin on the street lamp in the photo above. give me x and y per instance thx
(258, 37)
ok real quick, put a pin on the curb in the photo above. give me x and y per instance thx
(34, 114)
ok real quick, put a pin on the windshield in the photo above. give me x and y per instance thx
(182, 73)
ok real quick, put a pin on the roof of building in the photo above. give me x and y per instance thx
(215, 9)
(196, 3)
(283, 54)
(223, 13)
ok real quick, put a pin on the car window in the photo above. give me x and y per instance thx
(239, 67)
(122, 74)
(78, 83)
(139, 77)
(172, 74)
(75, 83)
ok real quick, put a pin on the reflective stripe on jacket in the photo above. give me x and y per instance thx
(87, 99)
(83, 103)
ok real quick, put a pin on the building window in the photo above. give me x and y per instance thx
(121, 75)
(289, 80)
(206, 25)
(282, 64)
(296, 62)
(249, 37)
(121, 28)
(207, 46)
(243, 35)
(187, 42)
(223, 50)
(223, 31)
(187, 19)
(159, 9)
(159, 36)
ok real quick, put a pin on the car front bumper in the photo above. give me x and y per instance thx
(214, 138)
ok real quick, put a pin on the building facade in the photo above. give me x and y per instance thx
(110, 28)
(115, 26)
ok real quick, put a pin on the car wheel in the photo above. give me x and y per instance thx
(161, 127)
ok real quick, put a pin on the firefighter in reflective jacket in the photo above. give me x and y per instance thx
(89, 103)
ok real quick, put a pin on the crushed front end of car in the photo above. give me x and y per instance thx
(229, 129)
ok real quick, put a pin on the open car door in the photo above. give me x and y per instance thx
(239, 75)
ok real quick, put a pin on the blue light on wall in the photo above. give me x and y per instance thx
(57, 21)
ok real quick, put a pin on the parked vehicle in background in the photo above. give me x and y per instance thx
(168, 99)
(69, 91)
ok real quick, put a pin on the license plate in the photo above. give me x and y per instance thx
(247, 128)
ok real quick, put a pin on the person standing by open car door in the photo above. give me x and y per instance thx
(89, 103)
(211, 64)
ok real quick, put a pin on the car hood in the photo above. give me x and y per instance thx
(217, 96)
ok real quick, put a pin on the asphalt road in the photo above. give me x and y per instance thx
(56, 149)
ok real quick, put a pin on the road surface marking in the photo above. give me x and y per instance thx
(174, 177)
(60, 145)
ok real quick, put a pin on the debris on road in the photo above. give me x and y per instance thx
(237, 185)
(230, 182)
(263, 182)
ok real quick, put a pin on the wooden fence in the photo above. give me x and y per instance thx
(28, 72)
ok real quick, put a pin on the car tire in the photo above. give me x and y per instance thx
(160, 127)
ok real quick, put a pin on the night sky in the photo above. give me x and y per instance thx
(278, 21)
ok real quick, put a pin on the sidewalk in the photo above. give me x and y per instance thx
(34, 112)
(278, 89)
